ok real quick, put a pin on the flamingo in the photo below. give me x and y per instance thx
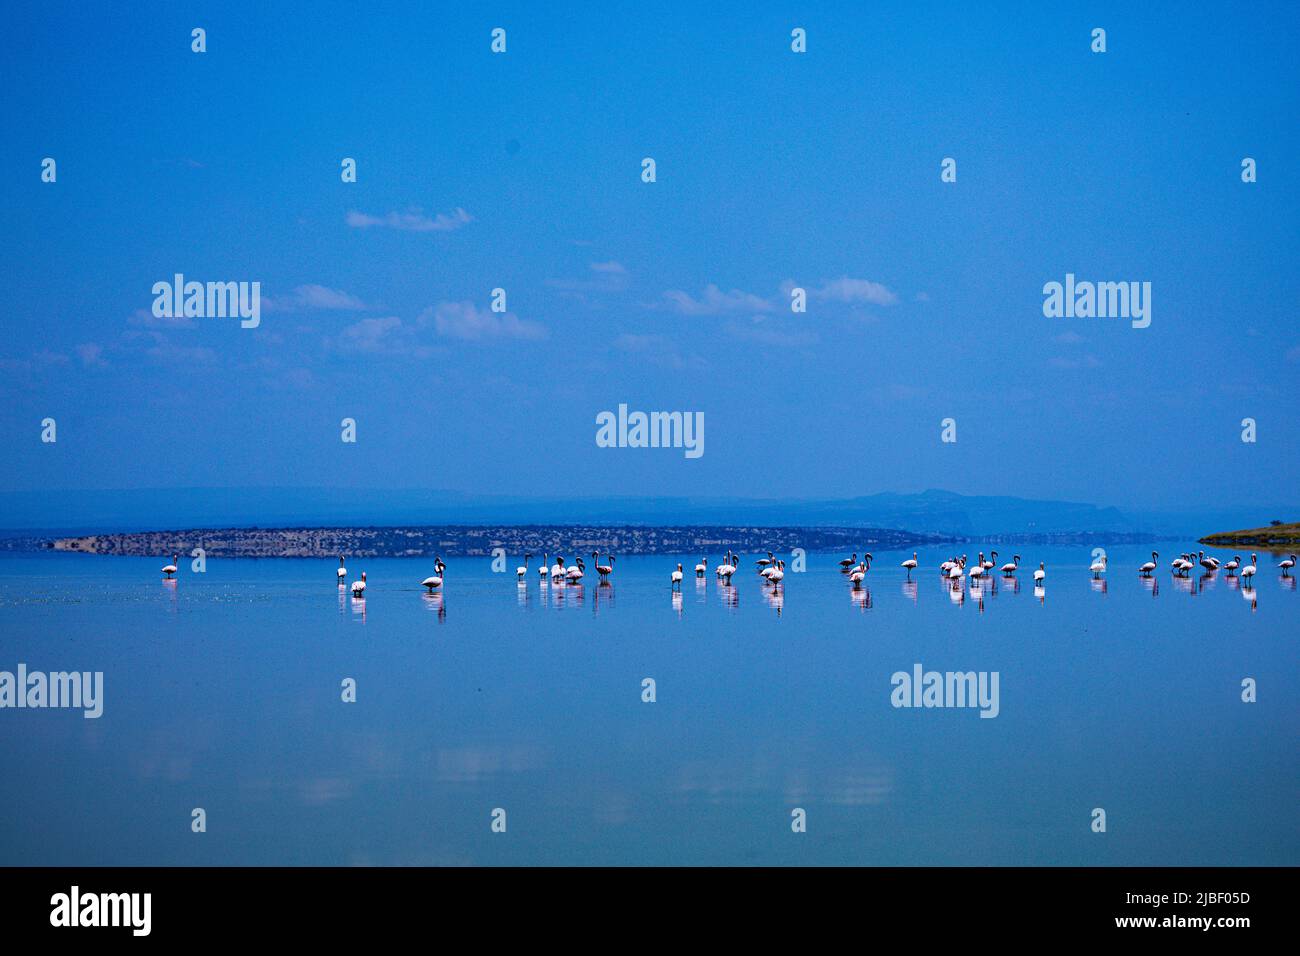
(576, 571)
(702, 567)
(1286, 565)
(1232, 566)
(778, 573)
(1248, 572)
(1098, 567)
(978, 570)
(762, 563)
(435, 581)
(359, 587)
(523, 568)
(557, 569)
(170, 569)
(677, 578)
(1041, 574)
(604, 570)
(849, 562)
(543, 571)
(1210, 563)
(989, 564)
(342, 572)
(1149, 566)
(1009, 568)
(727, 569)
(957, 570)
(858, 573)
(909, 564)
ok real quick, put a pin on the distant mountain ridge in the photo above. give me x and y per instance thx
(936, 512)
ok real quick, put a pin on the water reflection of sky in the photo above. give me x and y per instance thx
(223, 691)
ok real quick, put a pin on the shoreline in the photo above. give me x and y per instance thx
(482, 541)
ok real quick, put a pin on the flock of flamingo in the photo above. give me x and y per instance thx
(955, 570)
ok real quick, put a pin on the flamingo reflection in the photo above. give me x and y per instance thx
(861, 597)
(433, 601)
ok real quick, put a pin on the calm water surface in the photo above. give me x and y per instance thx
(222, 691)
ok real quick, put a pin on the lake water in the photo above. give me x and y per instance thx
(223, 691)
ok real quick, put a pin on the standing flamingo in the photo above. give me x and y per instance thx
(576, 571)
(1149, 566)
(778, 573)
(342, 572)
(170, 569)
(677, 578)
(858, 573)
(909, 564)
(359, 587)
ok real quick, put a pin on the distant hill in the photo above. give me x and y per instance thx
(944, 513)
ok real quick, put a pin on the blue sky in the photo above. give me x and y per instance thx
(773, 168)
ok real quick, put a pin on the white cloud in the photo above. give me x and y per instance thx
(609, 277)
(714, 301)
(413, 220)
(659, 351)
(384, 335)
(845, 289)
(145, 319)
(91, 355)
(169, 353)
(314, 297)
(463, 320)
(374, 336)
